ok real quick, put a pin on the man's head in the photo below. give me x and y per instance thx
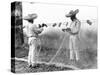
(30, 18)
(72, 14)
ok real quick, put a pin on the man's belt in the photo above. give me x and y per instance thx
(69, 30)
(74, 33)
(31, 36)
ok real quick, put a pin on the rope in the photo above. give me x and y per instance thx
(58, 50)
(19, 59)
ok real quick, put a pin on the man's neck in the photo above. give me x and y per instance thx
(73, 18)
(30, 21)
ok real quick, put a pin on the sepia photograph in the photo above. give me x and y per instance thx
(47, 37)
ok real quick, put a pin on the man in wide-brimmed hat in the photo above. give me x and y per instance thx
(32, 33)
(74, 31)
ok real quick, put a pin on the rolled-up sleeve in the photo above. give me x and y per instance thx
(37, 30)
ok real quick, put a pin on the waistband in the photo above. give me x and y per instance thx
(32, 36)
(74, 33)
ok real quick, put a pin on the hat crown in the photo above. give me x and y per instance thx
(71, 12)
(31, 16)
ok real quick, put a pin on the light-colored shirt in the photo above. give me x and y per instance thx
(75, 26)
(33, 30)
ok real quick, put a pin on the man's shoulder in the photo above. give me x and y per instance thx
(78, 21)
(34, 26)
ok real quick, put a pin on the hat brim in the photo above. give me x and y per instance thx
(69, 15)
(72, 13)
(30, 17)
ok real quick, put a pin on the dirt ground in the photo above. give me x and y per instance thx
(87, 60)
(22, 67)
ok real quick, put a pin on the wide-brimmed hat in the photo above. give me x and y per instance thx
(71, 13)
(30, 16)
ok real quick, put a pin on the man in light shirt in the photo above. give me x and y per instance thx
(73, 30)
(32, 33)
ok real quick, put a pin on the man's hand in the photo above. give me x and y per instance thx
(67, 30)
(44, 25)
(39, 26)
(63, 30)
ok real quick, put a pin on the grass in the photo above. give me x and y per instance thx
(50, 45)
(22, 67)
(87, 60)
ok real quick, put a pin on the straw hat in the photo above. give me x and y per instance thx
(71, 13)
(30, 16)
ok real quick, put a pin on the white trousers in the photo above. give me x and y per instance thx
(73, 47)
(32, 50)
